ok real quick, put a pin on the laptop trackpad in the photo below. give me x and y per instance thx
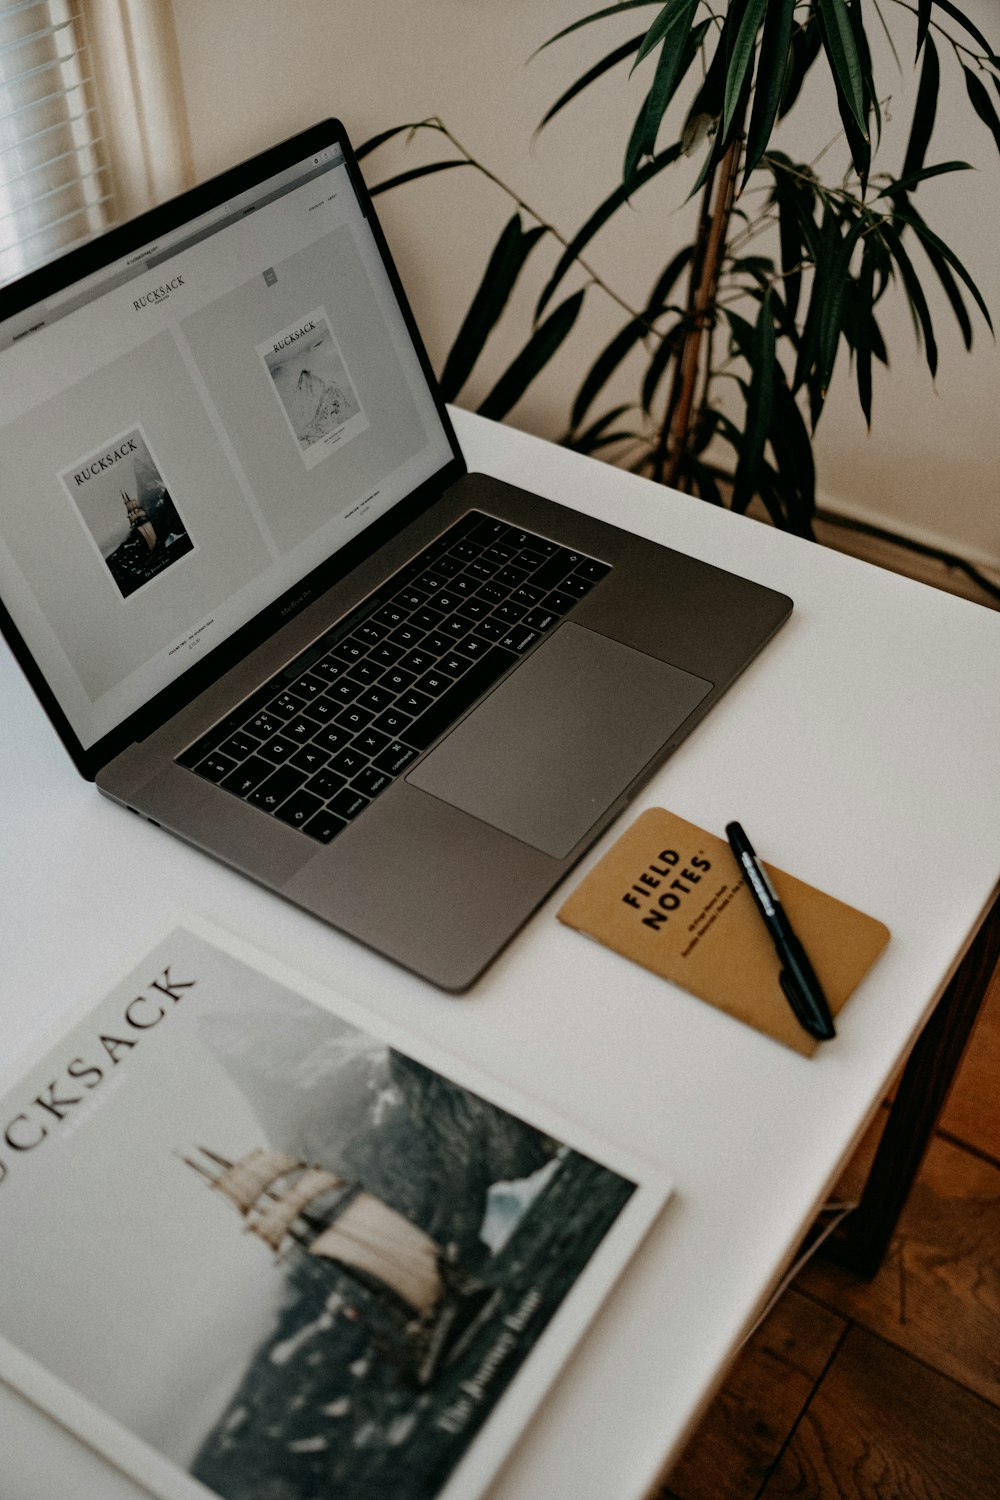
(561, 738)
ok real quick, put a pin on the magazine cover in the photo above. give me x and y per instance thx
(314, 389)
(256, 1246)
(122, 498)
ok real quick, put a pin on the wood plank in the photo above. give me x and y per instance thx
(882, 1426)
(750, 1420)
(972, 1111)
(937, 1294)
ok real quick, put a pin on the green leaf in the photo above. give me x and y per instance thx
(952, 292)
(741, 60)
(923, 111)
(805, 48)
(905, 184)
(536, 353)
(923, 23)
(918, 302)
(760, 406)
(674, 18)
(591, 76)
(671, 67)
(415, 172)
(982, 103)
(597, 15)
(605, 365)
(929, 239)
(831, 308)
(863, 336)
(601, 215)
(373, 142)
(770, 82)
(842, 50)
(963, 20)
(505, 265)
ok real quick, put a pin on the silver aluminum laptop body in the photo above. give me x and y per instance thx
(251, 495)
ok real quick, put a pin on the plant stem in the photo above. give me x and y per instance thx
(702, 313)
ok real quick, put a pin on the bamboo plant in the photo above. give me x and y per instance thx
(789, 259)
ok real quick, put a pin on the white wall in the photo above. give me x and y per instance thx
(256, 70)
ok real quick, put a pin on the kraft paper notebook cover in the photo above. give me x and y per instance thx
(669, 896)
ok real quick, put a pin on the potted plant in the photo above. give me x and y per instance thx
(789, 259)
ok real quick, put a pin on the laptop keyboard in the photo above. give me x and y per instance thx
(333, 729)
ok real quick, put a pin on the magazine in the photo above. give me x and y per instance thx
(127, 511)
(313, 386)
(256, 1243)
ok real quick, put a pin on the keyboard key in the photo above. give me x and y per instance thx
(376, 698)
(309, 686)
(286, 705)
(264, 724)
(355, 718)
(333, 737)
(433, 682)
(348, 762)
(412, 702)
(552, 573)
(278, 749)
(540, 619)
(299, 729)
(371, 781)
(347, 804)
(559, 602)
(298, 809)
(519, 640)
(490, 630)
(395, 757)
(371, 743)
(345, 691)
(325, 784)
(397, 679)
(324, 826)
(392, 722)
(248, 776)
(215, 766)
(240, 745)
(576, 585)
(272, 792)
(371, 632)
(309, 759)
(592, 569)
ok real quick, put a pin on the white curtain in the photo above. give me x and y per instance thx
(92, 122)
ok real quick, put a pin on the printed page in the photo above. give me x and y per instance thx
(256, 1244)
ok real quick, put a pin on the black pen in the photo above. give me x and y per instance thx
(802, 989)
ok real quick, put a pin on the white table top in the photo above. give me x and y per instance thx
(860, 750)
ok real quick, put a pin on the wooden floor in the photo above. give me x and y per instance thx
(888, 1389)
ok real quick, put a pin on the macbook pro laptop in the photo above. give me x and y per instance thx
(246, 571)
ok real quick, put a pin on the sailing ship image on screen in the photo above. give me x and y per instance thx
(295, 1208)
(122, 498)
(313, 386)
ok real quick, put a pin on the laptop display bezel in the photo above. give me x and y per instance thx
(57, 275)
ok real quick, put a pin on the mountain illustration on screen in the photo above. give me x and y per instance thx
(315, 391)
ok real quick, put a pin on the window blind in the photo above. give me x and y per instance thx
(55, 182)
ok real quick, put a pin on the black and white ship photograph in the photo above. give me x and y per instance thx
(123, 500)
(285, 1255)
(313, 386)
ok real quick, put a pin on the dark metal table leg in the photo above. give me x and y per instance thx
(864, 1237)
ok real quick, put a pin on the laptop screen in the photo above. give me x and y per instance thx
(194, 427)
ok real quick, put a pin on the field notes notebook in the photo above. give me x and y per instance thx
(670, 896)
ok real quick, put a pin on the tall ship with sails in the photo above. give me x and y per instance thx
(295, 1207)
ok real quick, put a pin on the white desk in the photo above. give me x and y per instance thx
(861, 752)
